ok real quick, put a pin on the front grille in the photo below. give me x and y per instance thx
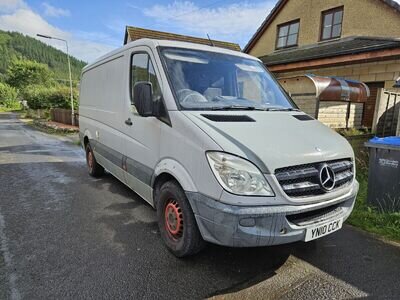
(315, 216)
(304, 180)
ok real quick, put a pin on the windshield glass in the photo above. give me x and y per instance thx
(207, 80)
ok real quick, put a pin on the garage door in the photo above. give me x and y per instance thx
(369, 108)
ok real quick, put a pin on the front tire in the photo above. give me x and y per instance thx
(94, 168)
(176, 221)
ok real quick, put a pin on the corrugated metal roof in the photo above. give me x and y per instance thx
(135, 33)
(351, 45)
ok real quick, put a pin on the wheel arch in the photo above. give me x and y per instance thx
(86, 136)
(169, 169)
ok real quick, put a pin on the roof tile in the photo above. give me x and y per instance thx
(352, 45)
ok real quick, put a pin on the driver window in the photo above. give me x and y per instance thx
(142, 70)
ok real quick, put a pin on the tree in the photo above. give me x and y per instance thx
(22, 73)
(15, 45)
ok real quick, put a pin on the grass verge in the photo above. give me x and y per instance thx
(38, 124)
(9, 109)
(370, 219)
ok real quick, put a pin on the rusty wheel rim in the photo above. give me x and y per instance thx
(173, 219)
(90, 161)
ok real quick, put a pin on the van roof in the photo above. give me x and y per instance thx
(153, 43)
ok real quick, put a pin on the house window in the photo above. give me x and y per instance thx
(332, 23)
(288, 34)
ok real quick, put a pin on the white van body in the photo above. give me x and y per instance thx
(308, 185)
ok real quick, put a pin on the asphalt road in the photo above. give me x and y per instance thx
(64, 234)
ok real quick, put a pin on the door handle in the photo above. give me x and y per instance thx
(128, 122)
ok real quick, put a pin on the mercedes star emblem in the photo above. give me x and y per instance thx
(327, 178)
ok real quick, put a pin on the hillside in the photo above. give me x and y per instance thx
(13, 44)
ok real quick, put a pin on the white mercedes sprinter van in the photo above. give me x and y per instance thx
(209, 138)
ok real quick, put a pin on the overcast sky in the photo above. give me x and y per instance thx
(96, 27)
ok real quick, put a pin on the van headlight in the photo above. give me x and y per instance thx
(237, 175)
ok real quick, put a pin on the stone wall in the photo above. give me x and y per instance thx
(331, 113)
(307, 104)
(334, 114)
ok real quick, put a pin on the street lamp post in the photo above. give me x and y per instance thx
(69, 70)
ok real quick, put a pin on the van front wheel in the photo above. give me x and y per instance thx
(176, 221)
(94, 168)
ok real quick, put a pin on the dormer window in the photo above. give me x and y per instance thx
(287, 34)
(331, 24)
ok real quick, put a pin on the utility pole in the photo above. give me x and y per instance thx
(69, 70)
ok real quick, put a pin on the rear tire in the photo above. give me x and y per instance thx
(176, 221)
(94, 168)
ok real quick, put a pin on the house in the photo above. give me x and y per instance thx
(352, 39)
(135, 33)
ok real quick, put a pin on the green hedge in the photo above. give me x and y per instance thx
(8, 94)
(40, 97)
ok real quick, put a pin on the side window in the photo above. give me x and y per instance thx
(142, 70)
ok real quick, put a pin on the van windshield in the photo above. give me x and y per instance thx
(204, 80)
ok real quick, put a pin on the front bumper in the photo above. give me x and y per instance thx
(241, 226)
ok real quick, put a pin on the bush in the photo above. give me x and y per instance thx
(353, 131)
(12, 105)
(35, 114)
(22, 73)
(7, 94)
(40, 97)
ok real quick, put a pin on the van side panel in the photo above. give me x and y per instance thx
(100, 112)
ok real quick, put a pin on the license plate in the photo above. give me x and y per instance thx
(316, 232)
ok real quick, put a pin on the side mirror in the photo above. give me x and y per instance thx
(143, 98)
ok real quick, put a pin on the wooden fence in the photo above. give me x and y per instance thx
(63, 116)
(387, 113)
